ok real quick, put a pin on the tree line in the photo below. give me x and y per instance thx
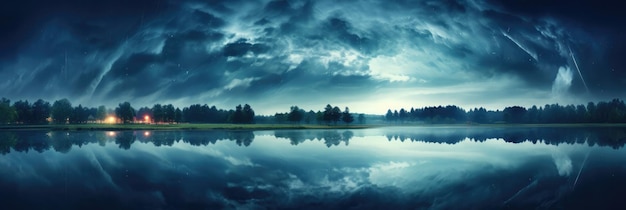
(330, 115)
(613, 111)
(63, 112)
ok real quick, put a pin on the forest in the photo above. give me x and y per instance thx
(613, 111)
(63, 112)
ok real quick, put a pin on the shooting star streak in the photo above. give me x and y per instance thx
(521, 191)
(532, 54)
(581, 170)
(576, 64)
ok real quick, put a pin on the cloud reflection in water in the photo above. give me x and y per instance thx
(313, 170)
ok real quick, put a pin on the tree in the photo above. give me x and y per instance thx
(7, 113)
(61, 111)
(389, 115)
(336, 115)
(101, 114)
(395, 115)
(514, 114)
(79, 115)
(24, 112)
(591, 111)
(346, 116)
(145, 114)
(169, 113)
(248, 114)
(327, 117)
(532, 115)
(403, 115)
(280, 117)
(361, 119)
(319, 117)
(91, 114)
(295, 115)
(478, 115)
(237, 116)
(125, 112)
(309, 117)
(41, 112)
(178, 115)
(159, 114)
(581, 113)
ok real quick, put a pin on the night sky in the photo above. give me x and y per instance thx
(369, 55)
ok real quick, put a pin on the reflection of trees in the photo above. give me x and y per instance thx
(27, 141)
(197, 138)
(40, 141)
(62, 142)
(330, 137)
(7, 140)
(125, 139)
(614, 137)
(242, 137)
(159, 138)
(296, 136)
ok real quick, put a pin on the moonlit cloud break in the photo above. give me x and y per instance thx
(369, 55)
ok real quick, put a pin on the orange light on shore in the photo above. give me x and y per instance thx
(111, 120)
(146, 119)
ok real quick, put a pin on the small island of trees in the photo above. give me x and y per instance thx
(330, 116)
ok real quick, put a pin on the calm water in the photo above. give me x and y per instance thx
(385, 168)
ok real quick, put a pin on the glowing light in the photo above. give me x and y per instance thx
(111, 133)
(146, 133)
(111, 120)
(146, 119)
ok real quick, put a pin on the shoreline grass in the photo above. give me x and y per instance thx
(182, 126)
(192, 126)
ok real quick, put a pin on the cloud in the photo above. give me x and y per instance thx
(563, 163)
(562, 82)
(200, 169)
(189, 51)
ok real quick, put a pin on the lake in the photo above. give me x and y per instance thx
(380, 168)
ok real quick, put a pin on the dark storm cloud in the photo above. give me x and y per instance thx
(197, 51)
(24, 19)
(242, 47)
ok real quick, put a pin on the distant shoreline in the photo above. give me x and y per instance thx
(182, 126)
(191, 126)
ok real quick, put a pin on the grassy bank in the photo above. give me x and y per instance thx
(183, 126)
(187, 126)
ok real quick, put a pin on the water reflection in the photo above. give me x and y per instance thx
(387, 168)
(614, 137)
(40, 141)
(330, 137)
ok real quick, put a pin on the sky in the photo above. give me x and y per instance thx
(369, 55)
